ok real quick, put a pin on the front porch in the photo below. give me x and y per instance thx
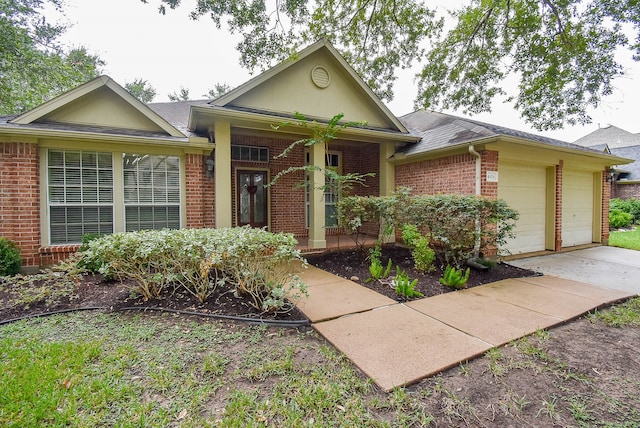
(334, 243)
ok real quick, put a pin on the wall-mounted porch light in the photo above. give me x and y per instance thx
(210, 164)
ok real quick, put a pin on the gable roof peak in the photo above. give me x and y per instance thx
(229, 99)
(103, 81)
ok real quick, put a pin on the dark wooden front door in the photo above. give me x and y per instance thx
(252, 198)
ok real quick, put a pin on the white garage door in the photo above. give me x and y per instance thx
(577, 208)
(524, 188)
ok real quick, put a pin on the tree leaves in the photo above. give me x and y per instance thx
(559, 53)
(33, 67)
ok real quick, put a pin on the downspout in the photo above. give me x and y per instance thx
(472, 151)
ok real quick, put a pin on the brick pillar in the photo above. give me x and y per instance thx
(20, 199)
(606, 192)
(558, 212)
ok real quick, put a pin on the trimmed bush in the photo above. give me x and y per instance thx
(256, 265)
(10, 260)
(457, 225)
(619, 219)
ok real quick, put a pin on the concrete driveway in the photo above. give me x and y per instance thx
(609, 267)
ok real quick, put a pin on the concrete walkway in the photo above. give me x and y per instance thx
(398, 344)
(609, 267)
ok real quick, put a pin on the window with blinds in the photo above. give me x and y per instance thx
(331, 191)
(80, 194)
(151, 191)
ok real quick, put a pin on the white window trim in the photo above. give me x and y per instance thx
(118, 182)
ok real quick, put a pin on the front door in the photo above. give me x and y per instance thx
(252, 198)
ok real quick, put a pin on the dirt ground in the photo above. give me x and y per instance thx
(584, 373)
(353, 265)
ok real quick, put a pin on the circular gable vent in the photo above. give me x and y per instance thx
(320, 77)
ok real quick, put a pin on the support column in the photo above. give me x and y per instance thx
(317, 238)
(387, 183)
(222, 174)
(558, 210)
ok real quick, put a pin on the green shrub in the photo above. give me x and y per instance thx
(355, 213)
(619, 219)
(631, 206)
(458, 225)
(454, 278)
(256, 265)
(404, 286)
(95, 264)
(10, 260)
(423, 255)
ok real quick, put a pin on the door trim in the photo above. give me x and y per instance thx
(236, 202)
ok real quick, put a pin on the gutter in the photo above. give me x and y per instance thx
(183, 142)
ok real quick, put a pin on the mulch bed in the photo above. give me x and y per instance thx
(354, 265)
(93, 291)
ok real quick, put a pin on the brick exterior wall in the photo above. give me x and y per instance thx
(488, 162)
(200, 193)
(20, 199)
(452, 174)
(625, 191)
(287, 196)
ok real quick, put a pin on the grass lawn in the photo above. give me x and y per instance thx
(627, 239)
(97, 369)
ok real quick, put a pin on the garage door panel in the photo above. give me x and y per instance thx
(523, 188)
(577, 208)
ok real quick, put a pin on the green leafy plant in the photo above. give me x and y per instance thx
(95, 264)
(255, 265)
(630, 206)
(10, 260)
(404, 286)
(423, 255)
(450, 220)
(619, 219)
(454, 278)
(376, 269)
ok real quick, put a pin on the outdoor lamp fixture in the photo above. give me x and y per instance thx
(209, 170)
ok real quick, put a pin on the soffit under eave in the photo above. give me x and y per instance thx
(21, 134)
(58, 104)
(262, 79)
(202, 122)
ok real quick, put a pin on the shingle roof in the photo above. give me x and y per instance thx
(441, 131)
(177, 112)
(632, 170)
(5, 123)
(613, 136)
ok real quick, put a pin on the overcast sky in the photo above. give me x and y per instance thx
(172, 51)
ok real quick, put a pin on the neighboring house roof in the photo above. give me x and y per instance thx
(440, 131)
(612, 136)
(630, 172)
